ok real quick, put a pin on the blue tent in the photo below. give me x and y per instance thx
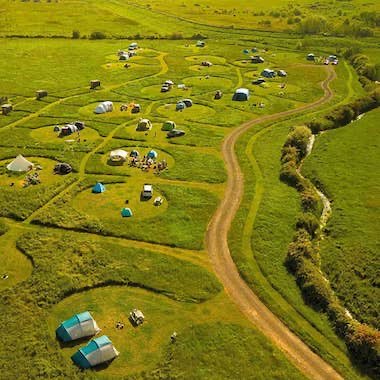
(126, 212)
(98, 351)
(99, 188)
(152, 154)
(78, 326)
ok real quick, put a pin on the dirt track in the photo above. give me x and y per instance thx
(217, 246)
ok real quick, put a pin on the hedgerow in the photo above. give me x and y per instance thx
(302, 259)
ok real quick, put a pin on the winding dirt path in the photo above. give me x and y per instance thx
(217, 246)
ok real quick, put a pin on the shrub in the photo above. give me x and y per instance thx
(299, 249)
(3, 228)
(299, 138)
(97, 36)
(313, 25)
(339, 318)
(364, 345)
(309, 200)
(75, 35)
(314, 287)
(308, 222)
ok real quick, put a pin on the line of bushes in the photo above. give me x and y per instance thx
(303, 258)
(368, 72)
(344, 114)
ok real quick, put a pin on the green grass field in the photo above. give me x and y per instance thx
(65, 250)
(340, 165)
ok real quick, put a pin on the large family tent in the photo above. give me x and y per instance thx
(20, 164)
(126, 212)
(104, 107)
(68, 129)
(152, 154)
(99, 188)
(98, 351)
(144, 125)
(78, 326)
(241, 94)
(118, 155)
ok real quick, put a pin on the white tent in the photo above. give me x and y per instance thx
(118, 155)
(20, 164)
(104, 107)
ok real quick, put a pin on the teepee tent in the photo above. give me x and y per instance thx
(20, 164)
(98, 351)
(99, 188)
(78, 326)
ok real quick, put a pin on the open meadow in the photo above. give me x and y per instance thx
(141, 130)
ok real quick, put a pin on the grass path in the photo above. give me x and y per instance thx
(217, 246)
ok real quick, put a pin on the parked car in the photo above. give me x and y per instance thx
(258, 81)
(137, 317)
(147, 191)
(175, 133)
(165, 88)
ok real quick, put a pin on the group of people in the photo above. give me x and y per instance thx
(119, 325)
(32, 179)
(147, 163)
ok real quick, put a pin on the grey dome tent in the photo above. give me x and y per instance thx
(62, 168)
(180, 106)
(241, 94)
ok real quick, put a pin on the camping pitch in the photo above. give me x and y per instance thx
(78, 326)
(98, 351)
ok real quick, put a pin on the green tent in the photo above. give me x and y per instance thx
(126, 212)
(168, 125)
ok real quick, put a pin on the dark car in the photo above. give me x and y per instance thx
(259, 81)
(175, 133)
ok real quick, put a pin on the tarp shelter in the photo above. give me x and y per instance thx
(20, 164)
(152, 154)
(144, 125)
(118, 155)
(134, 153)
(126, 212)
(99, 350)
(180, 106)
(104, 107)
(99, 188)
(241, 94)
(78, 326)
(168, 125)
